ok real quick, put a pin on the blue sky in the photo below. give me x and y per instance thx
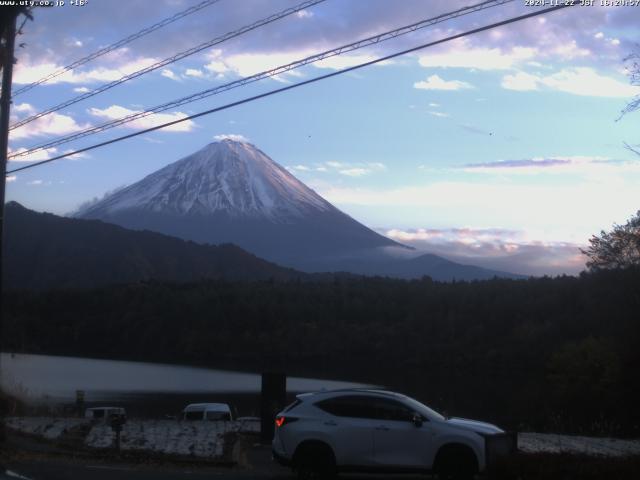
(501, 149)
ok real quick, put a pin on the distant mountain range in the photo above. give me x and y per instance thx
(228, 194)
(44, 251)
(232, 192)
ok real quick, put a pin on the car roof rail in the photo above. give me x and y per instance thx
(377, 390)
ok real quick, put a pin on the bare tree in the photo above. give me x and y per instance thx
(619, 248)
(632, 62)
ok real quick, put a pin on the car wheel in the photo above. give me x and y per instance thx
(456, 462)
(314, 461)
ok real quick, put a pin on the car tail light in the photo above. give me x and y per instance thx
(281, 420)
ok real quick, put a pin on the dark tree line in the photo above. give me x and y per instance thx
(558, 354)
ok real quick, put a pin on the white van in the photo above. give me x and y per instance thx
(105, 413)
(207, 411)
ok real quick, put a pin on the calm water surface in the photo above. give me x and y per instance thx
(52, 379)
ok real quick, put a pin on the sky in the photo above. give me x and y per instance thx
(504, 149)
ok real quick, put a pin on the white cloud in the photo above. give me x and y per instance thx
(24, 107)
(247, 64)
(377, 166)
(592, 203)
(216, 66)
(462, 55)
(577, 81)
(168, 73)
(359, 169)
(520, 81)
(76, 156)
(439, 114)
(586, 81)
(231, 136)
(301, 168)
(26, 72)
(81, 89)
(11, 178)
(434, 82)
(599, 35)
(116, 111)
(339, 62)
(51, 124)
(35, 182)
(352, 169)
(304, 14)
(355, 172)
(577, 164)
(434, 105)
(44, 154)
(193, 72)
(570, 51)
(500, 249)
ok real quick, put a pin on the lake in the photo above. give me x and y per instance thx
(150, 388)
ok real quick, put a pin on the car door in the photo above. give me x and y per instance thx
(350, 427)
(397, 440)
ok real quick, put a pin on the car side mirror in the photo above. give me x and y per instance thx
(417, 420)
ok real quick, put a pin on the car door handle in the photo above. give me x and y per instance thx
(382, 427)
(331, 424)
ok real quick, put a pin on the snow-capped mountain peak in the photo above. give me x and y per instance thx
(230, 177)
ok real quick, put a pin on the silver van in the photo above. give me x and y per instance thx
(207, 411)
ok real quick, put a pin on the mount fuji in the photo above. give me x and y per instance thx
(231, 192)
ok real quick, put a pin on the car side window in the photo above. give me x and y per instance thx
(389, 409)
(362, 406)
(359, 406)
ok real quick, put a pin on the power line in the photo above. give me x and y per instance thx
(265, 74)
(118, 44)
(167, 61)
(299, 84)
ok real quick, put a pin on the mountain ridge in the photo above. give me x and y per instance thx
(232, 192)
(45, 251)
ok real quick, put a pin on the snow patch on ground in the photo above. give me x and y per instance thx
(592, 446)
(46, 427)
(172, 437)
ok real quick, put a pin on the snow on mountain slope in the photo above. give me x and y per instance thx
(231, 192)
(231, 177)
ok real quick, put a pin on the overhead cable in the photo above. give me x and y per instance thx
(262, 75)
(167, 61)
(116, 45)
(299, 84)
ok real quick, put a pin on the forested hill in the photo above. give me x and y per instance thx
(559, 354)
(45, 251)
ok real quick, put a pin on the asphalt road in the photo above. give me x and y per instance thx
(73, 470)
(65, 470)
(44, 466)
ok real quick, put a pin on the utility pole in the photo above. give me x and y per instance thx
(9, 31)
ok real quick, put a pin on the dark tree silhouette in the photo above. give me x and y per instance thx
(619, 248)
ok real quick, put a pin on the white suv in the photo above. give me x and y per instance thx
(366, 430)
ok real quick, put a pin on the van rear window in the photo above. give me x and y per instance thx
(218, 416)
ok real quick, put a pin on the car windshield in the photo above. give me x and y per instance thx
(423, 409)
